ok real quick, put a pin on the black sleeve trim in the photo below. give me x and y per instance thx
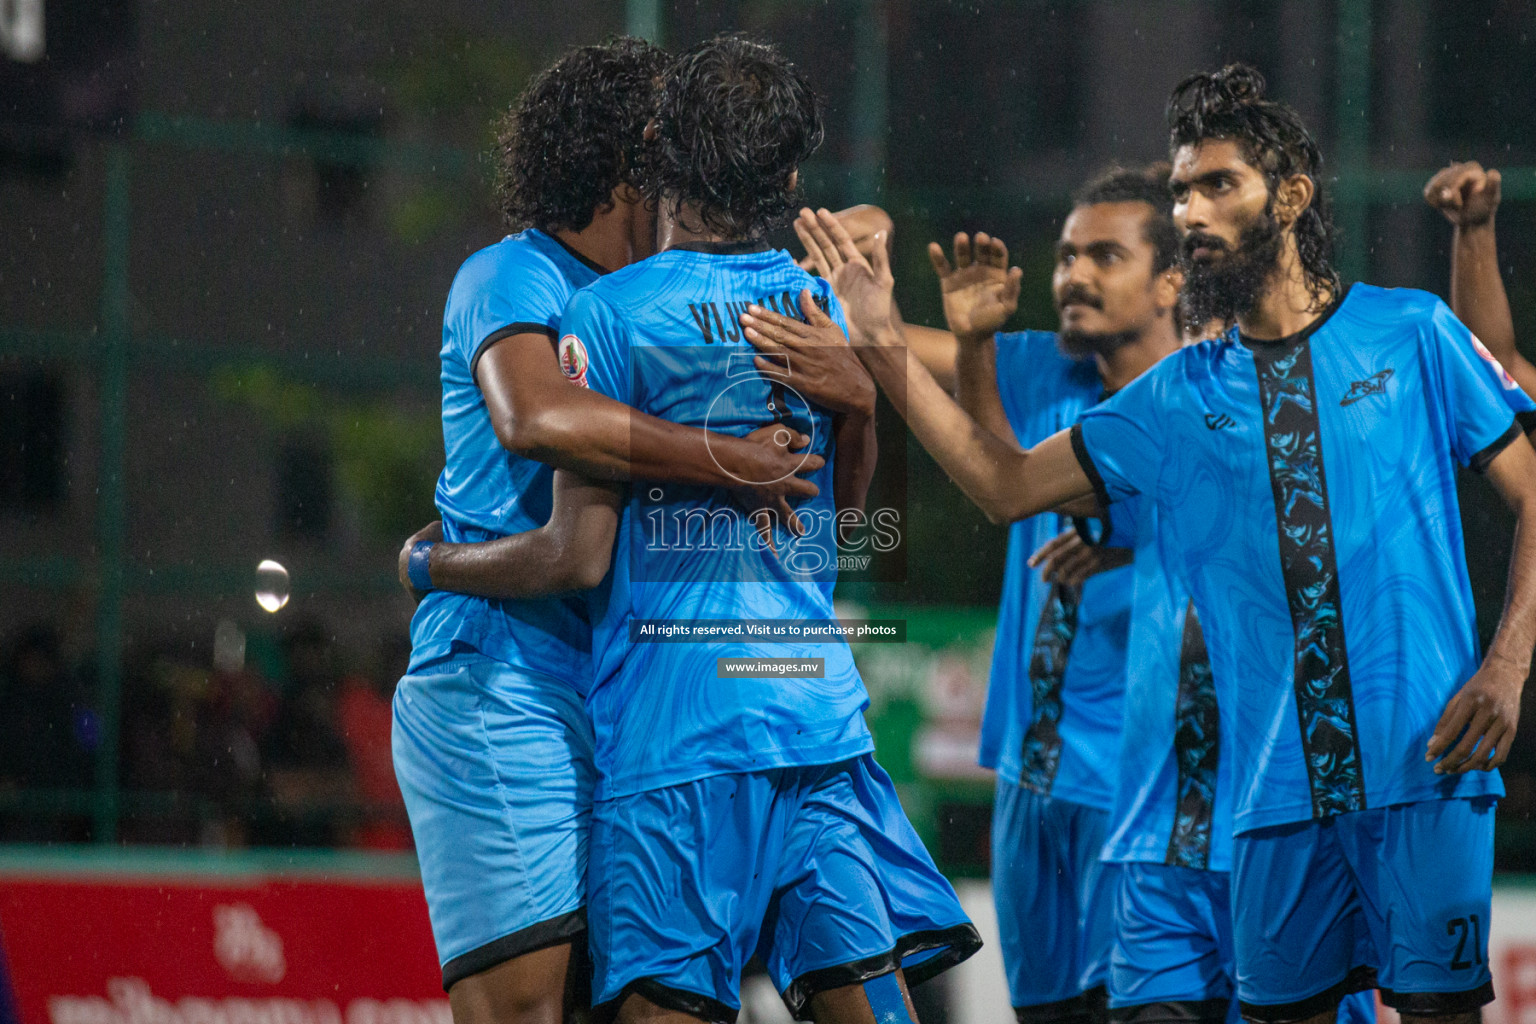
(1080, 525)
(1479, 462)
(1527, 421)
(521, 327)
(1080, 449)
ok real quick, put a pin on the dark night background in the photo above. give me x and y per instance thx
(229, 230)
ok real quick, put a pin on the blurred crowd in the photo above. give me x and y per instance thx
(288, 746)
(283, 740)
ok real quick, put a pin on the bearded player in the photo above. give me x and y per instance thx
(1304, 468)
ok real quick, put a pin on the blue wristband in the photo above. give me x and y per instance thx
(418, 567)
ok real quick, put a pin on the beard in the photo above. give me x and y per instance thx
(1077, 344)
(1229, 286)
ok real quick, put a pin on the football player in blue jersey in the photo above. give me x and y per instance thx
(734, 814)
(1053, 717)
(1304, 470)
(1159, 927)
(492, 748)
(1054, 704)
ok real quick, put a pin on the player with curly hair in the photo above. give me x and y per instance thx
(492, 747)
(1303, 469)
(737, 811)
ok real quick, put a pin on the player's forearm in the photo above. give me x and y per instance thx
(522, 565)
(1515, 638)
(569, 552)
(937, 350)
(1477, 290)
(992, 474)
(604, 439)
(976, 385)
(854, 464)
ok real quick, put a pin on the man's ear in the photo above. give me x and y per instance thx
(651, 130)
(1167, 287)
(1292, 197)
(794, 180)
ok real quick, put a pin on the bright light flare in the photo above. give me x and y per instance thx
(271, 585)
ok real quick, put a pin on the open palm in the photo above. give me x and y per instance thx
(980, 290)
(862, 285)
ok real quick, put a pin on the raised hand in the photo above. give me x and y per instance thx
(1467, 194)
(813, 357)
(863, 223)
(862, 285)
(980, 290)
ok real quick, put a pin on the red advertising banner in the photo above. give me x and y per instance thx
(86, 947)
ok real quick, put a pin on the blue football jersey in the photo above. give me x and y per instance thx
(663, 335)
(519, 285)
(1173, 800)
(1052, 720)
(1308, 486)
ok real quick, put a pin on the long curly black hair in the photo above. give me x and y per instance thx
(734, 120)
(1230, 104)
(576, 132)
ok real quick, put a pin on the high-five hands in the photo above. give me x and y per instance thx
(1467, 194)
(863, 223)
(862, 285)
(980, 290)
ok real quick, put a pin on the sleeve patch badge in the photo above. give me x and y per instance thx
(573, 360)
(1498, 367)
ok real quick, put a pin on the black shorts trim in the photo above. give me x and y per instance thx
(1479, 462)
(800, 992)
(1091, 1005)
(1175, 1011)
(521, 327)
(956, 943)
(1357, 980)
(705, 1008)
(509, 947)
(1080, 449)
(1438, 1003)
(1527, 421)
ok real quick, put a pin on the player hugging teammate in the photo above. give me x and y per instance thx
(1245, 743)
(728, 816)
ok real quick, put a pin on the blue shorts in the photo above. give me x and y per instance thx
(1055, 900)
(815, 869)
(1172, 957)
(495, 764)
(1173, 960)
(1392, 895)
